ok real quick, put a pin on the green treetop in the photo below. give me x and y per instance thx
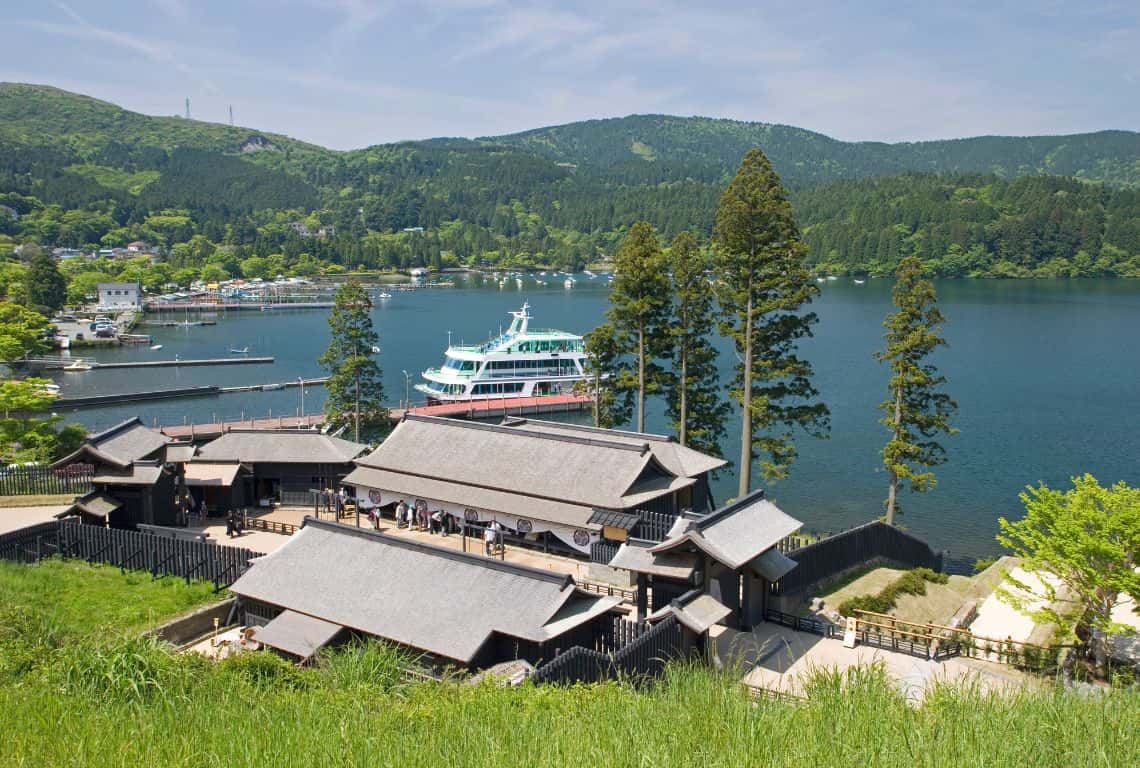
(916, 412)
(762, 287)
(1088, 537)
(604, 367)
(692, 387)
(355, 389)
(21, 331)
(639, 308)
(47, 288)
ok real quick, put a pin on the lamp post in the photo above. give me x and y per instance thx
(301, 381)
(407, 391)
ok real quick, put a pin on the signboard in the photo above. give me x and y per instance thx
(849, 632)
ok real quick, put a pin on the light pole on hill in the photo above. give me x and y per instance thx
(301, 381)
(407, 391)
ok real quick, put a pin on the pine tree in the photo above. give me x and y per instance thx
(604, 366)
(639, 310)
(762, 287)
(916, 411)
(47, 287)
(692, 389)
(355, 389)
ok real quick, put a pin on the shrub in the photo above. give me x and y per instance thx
(910, 583)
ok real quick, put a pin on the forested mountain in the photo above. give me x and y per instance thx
(707, 148)
(78, 172)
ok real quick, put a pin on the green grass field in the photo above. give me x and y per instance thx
(111, 699)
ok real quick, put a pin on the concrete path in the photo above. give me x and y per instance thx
(14, 518)
(998, 619)
(780, 659)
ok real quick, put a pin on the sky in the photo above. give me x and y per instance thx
(351, 73)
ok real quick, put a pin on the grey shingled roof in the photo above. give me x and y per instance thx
(506, 504)
(736, 533)
(438, 600)
(118, 446)
(676, 458)
(280, 446)
(139, 473)
(297, 634)
(635, 556)
(587, 470)
(695, 610)
(128, 441)
(94, 504)
(773, 565)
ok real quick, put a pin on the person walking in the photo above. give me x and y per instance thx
(401, 513)
(410, 517)
(488, 539)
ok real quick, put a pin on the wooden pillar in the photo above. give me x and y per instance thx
(746, 610)
(642, 596)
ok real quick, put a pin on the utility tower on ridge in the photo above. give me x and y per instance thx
(187, 107)
(231, 115)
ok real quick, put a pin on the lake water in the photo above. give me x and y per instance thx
(1046, 375)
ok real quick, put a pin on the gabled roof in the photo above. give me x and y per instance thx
(507, 504)
(635, 555)
(734, 534)
(118, 446)
(94, 504)
(678, 459)
(694, 610)
(438, 600)
(584, 469)
(280, 446)
(137, 473)
(222, 475)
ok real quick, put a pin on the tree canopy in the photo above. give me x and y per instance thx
(355, 389)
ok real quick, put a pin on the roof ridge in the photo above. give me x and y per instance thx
(507, 430)
(109, 431)
(564, 579)
(728, 509)
(521, 420)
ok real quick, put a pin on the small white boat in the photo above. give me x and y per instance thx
(156, 346)
(832, 277)
(384, 296)
(242, 351)
(860, 282)
(78, 365)
(820, 280)
(271, 387)
(568, 282)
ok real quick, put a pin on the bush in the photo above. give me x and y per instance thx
(910, 583)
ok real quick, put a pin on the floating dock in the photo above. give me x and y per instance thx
(509, 406)
(59, 363)
(212, 390)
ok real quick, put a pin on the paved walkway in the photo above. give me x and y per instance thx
(780, 659)
(261, 541)
(14, 518)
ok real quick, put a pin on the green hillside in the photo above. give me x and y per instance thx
(82, 173)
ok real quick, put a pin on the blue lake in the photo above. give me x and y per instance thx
(1046, 375)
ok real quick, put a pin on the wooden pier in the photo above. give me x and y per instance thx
(508, 406)
(211, 390)
(59, 363)
(217, 429)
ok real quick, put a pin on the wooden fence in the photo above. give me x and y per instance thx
(654, 526)
(129, 550)
(74, 480)
(643, 655)
(875, 541)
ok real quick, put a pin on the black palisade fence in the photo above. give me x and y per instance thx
(45, 481)
(643, 655)
(129, 550)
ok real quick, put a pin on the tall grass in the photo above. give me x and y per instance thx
(111, 700)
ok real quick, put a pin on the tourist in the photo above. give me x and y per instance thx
(489, 539)
(401, 514)
(437, 521)
(410, 517)
(231, 524)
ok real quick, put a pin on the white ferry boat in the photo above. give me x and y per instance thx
(521, 362)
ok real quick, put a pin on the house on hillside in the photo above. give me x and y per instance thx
(716, 567)
(136, 471)
(137, 246)
(549, 482)
(259, 467)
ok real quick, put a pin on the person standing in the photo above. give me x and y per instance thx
(401, 513)
(488, 539)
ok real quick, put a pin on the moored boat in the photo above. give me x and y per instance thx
(520, 362)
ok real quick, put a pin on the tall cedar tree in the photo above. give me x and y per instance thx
(916, 412)
(47, 288)
(639, 310)
(692, 388)
(604, 366)
(354, 376)
(762, 287)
